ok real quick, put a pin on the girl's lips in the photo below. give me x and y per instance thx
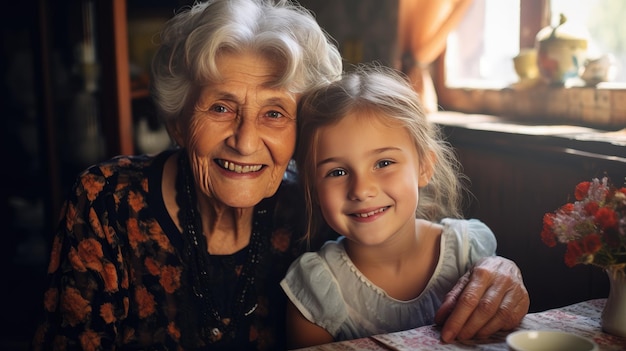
(370, 213)
(238, 168)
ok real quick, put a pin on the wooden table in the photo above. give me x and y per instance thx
(581, 318)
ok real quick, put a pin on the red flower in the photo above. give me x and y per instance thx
(547, 235)
(567, 208)
(581, 190)
(591, 244)
(591, 208)
(606, 218)
(592, 227)
(573, 253)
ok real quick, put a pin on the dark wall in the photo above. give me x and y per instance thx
(365, 30)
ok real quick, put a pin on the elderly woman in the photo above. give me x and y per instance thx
(185, 249)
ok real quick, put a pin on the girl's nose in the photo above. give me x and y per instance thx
(362, 186)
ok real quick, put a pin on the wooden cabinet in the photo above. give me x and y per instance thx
(116, 92)
(51, 114)
(70, 40)
(127, 30)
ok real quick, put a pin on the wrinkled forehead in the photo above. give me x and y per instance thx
(270, 62)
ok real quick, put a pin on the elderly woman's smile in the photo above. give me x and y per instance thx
(242, 133)
(237, 168)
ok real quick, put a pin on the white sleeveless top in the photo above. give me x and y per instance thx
(331, 292)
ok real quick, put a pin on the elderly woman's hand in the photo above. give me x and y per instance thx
(488, 298)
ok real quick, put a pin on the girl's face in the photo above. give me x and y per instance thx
(367, 178)
(241, 133)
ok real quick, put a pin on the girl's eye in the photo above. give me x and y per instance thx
(336, 173)
(383, 163)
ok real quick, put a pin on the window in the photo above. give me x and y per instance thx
(481, 49)
(478, 62)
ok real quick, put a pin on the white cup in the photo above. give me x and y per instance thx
(549, 340)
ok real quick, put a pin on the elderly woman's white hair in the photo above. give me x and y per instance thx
(280, 30)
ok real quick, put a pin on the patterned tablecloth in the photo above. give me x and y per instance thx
(582, 319)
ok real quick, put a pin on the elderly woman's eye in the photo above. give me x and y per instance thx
(274, 114)
(219, 109)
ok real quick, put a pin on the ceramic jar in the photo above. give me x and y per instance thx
(525, 64)
(561, 51)
(613, 317)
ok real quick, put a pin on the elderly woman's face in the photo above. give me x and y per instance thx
(242, 132)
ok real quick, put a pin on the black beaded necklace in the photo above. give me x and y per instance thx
(214, 327)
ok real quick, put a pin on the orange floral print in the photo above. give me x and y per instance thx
(93, 185)
(135, 200)
(124, 282)
(76, 308)
(94, 221)
(124, 161)
(156, 234)
(106, 312)
(129, 335)
(55, 255)
(173, 331)
(110, 278)
(90, 252)
(117, 195)
(107, 170)
(126, 304)
(90, 341)
(145, 302)
(109, 234)
(117, 236)
(75, 260)
(135, 235)
(152, 266)
(170, 278)
(50, 299)
(70, 217)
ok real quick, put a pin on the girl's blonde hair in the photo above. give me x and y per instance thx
(387, 94)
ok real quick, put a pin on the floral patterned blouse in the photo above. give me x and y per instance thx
(116, 277)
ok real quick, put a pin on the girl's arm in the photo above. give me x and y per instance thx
(301, 332)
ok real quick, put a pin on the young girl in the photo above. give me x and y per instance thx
(377, 173)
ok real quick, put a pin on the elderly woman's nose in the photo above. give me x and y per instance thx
(246, 136)
(362, 186)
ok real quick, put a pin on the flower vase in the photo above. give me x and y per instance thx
(613, 318)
